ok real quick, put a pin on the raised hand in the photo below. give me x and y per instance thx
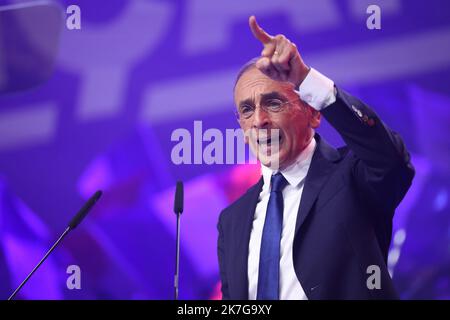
(280, 58)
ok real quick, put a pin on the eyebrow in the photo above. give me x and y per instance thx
(264, 98)
(272, 95)
(246, 102)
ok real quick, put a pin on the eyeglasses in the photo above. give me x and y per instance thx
(246, 111)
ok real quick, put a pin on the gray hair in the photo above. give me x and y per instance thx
(248, 65)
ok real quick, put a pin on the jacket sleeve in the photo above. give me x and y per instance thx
(221, 256)
(382, 166)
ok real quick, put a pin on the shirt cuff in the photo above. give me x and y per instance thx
(317, 90)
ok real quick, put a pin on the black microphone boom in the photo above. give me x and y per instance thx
(72, 225)
(84, 210)
(179, 198)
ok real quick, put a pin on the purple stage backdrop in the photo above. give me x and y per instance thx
(134, 72)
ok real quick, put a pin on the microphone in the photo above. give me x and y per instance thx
(84, 210)
(178, 209)
(179, 195)
(76, 220)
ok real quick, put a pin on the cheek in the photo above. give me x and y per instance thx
(295, 129)
(245, 133)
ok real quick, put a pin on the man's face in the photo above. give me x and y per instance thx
(295, 121)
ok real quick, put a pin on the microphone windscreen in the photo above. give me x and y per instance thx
(84, 210)
(179, 195)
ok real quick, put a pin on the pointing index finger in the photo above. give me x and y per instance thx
(258, 32)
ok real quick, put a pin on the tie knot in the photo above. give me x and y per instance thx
(278, 182)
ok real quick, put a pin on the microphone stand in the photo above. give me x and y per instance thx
(76, 220)
(177, 256)
(40, 262)
(178, 209)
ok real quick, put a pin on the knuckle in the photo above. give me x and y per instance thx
(283, 60)
(280, 37)
(271, 46)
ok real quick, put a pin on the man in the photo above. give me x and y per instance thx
(318, 224)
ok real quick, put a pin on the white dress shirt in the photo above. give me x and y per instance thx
(318, 91)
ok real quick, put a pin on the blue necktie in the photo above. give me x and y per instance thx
(269, 257)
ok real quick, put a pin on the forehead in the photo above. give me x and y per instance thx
(253, 83)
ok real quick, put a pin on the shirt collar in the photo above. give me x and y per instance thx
(297, 171)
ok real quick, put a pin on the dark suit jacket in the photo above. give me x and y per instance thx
(344, 221)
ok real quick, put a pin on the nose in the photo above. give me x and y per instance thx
(261, 118)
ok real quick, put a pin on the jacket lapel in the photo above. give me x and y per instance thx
(243, 220)
(322, 164)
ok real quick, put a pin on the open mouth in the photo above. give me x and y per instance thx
(268, 141)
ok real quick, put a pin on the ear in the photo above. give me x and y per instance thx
(314, 122)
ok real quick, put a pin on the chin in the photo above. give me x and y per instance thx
(265, 156)
(271, 161)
